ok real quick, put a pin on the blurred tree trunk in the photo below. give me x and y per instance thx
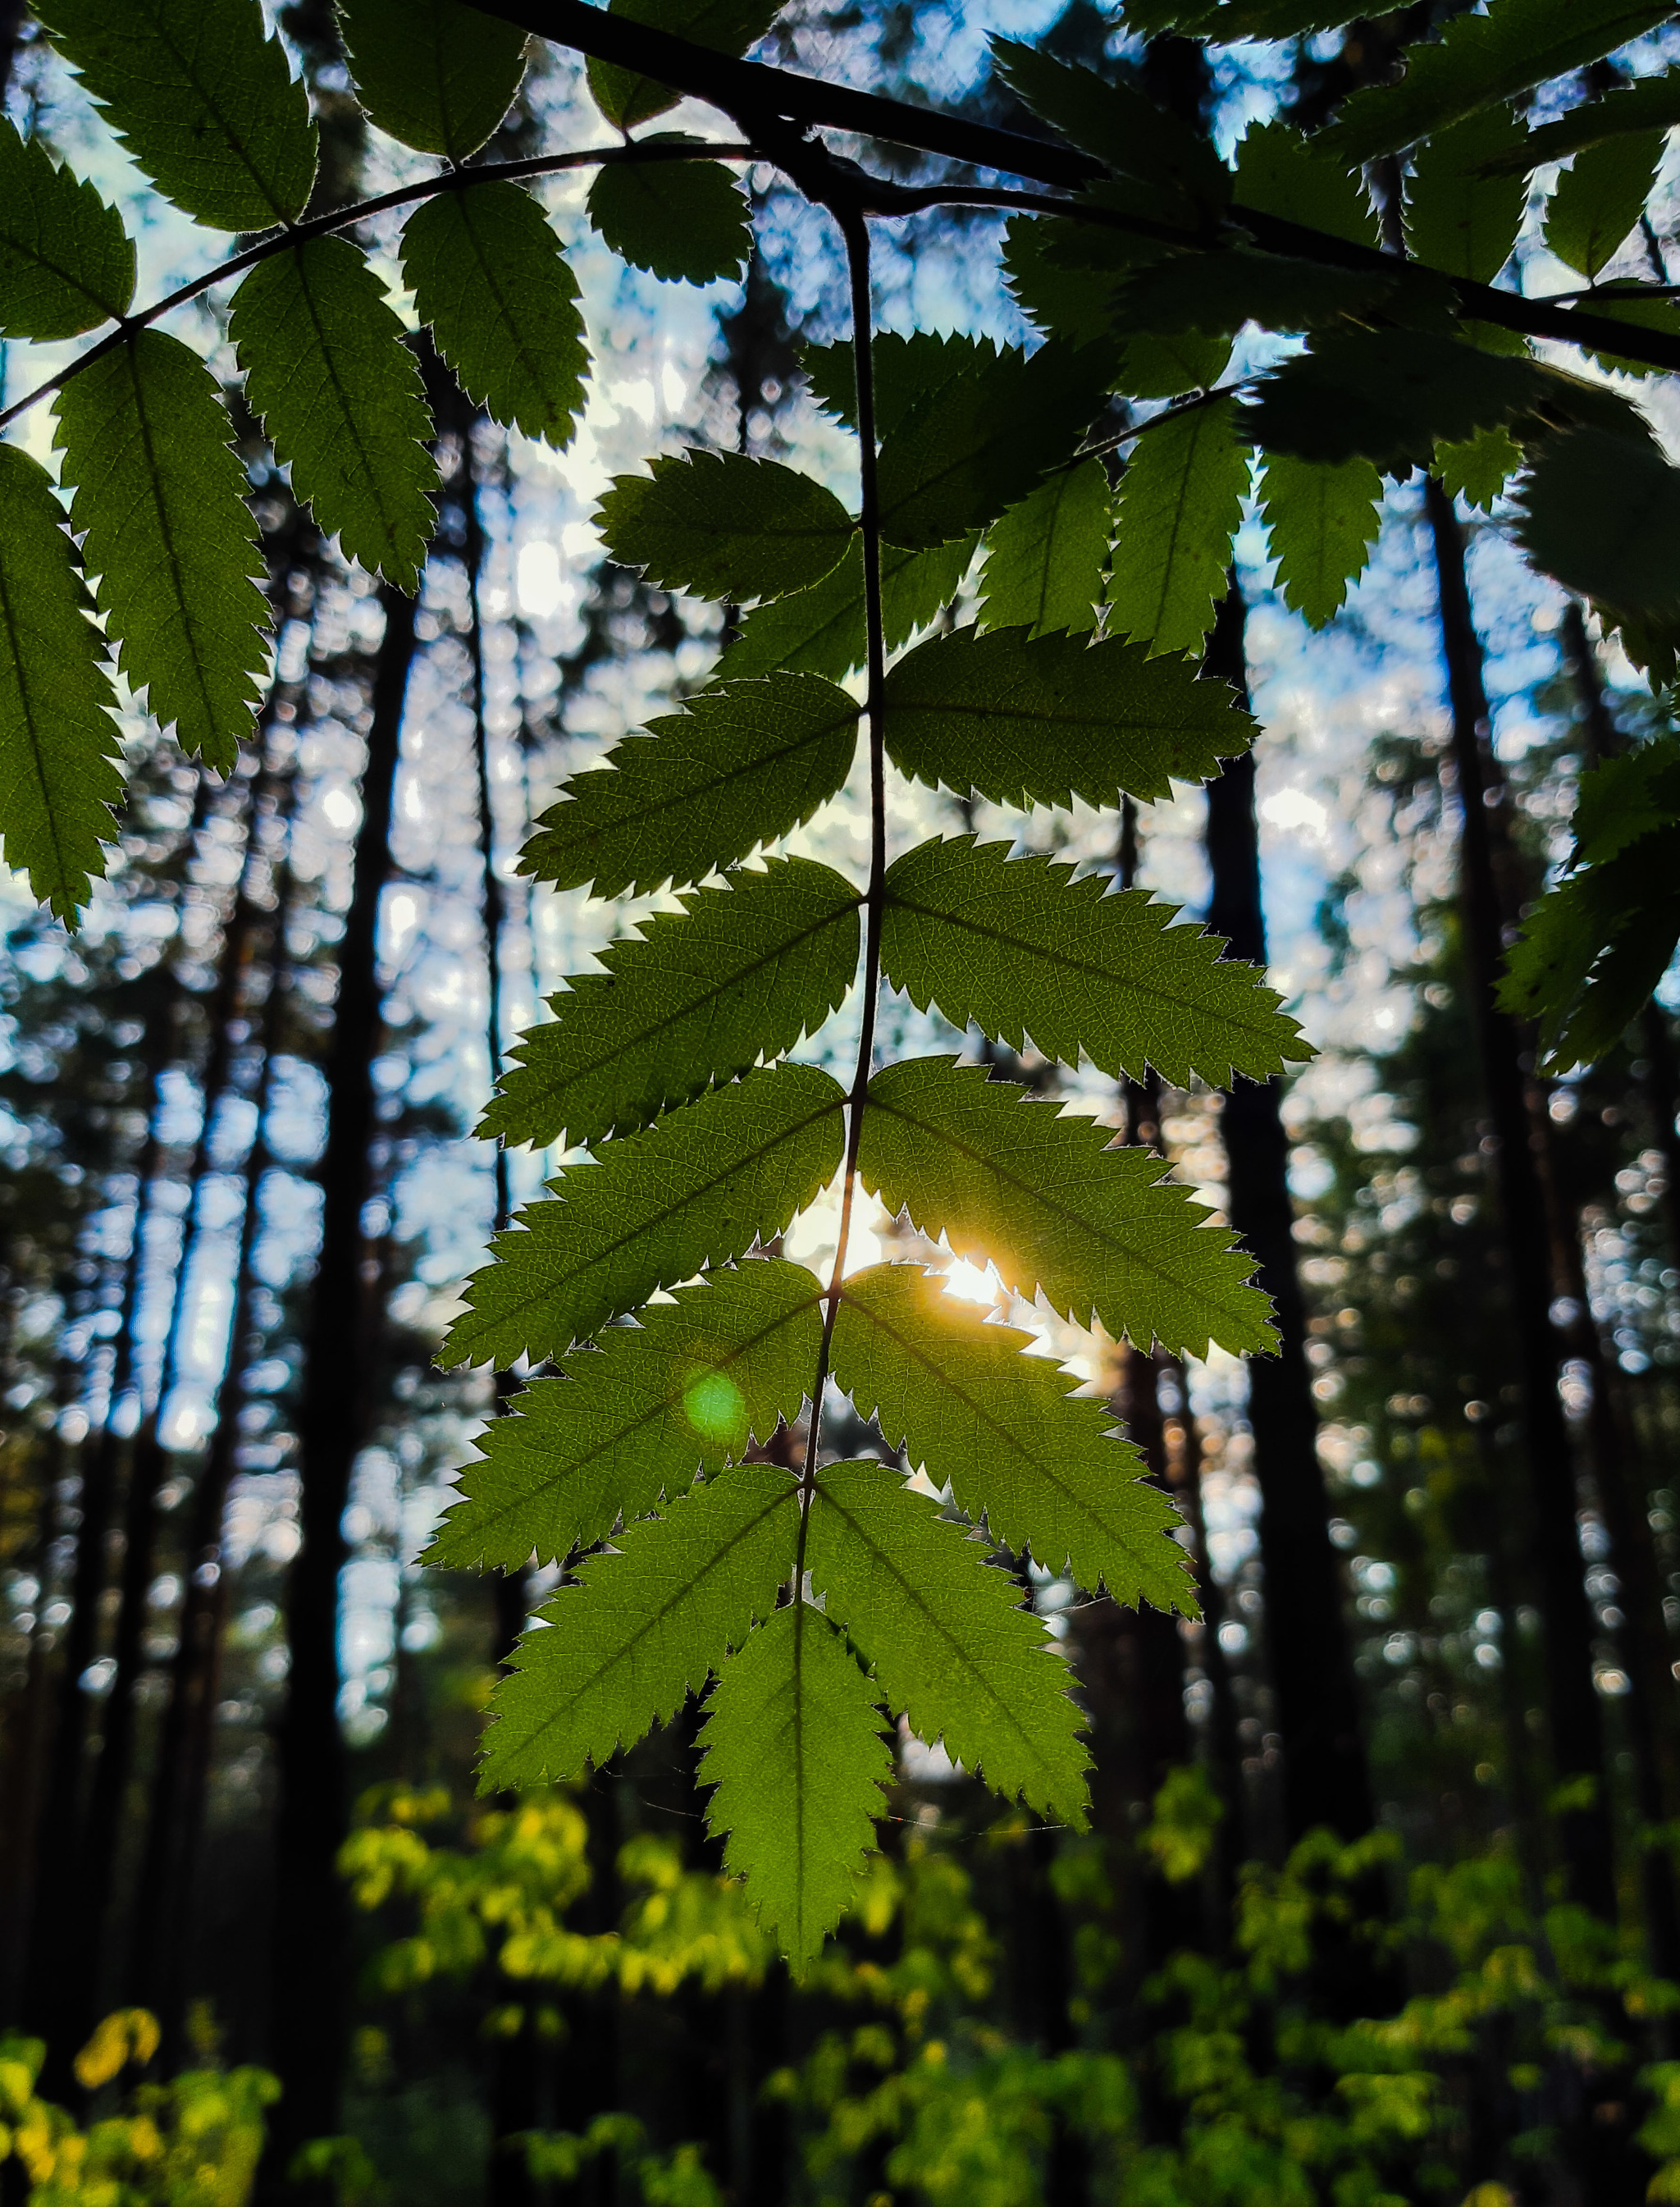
(1577, 1737)
(309, 1959)
(1315, 1692)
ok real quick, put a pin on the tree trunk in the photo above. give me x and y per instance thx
(310, 1951)
(1578, 1738)
(1316, 1695)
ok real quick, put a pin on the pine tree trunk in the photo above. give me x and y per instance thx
(310, 1949)
(1577, 1737)
(1316, 1694)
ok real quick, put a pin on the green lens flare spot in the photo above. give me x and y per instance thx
(716, 1407)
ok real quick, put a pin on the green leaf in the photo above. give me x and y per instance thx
(1279, 172)
(1006, 1432)
(749, 972)
(1180, 503)
(204, 103)
(1481, 59)
(1622, 798)
(340, 398)
(683, 221)
(1601, 515)
(435, 74)
(1045, 265)
(622, 1649)
(1122, 128)
(793, 1746)
(700, 1187)
(724, 526)
(908, 371)
(1042, 719)
(59, 776)
(1599, 201)
(950, 1645)
(1322, 522)
(1478, 469)
(1168, 366)
(821, 630)
(1021, 950)
(1652, 104)
(1011, 1182)
(1217, 293)
(684, 1389)
(166, 535)
(66, 262)
(743, 762)
(1458, 217)
(1044, 558)
(626, 97)
(982, 440)
(1593, 949)
(487, 273)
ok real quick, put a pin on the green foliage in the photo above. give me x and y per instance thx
(793, 1747)
(1180, 501)
(745, 761)
(1279, 172)
(202, 100)
(1461, 215)
(1122, 128)
(1216, 293)
(340, 397)
(644, 1627)
(1600, 198)
(728, 26)
(1045, 557)
(683, 1391)
(697, 1188)
(942, 1626)
(58, 740)
(681, 220)
(1322, 521)
(66, 262)
(487, 273)
(821, 630)
(1478, 469)
(1004, 1430)
(749, 972)
(433, 73)
(1024, 951)
(166, 537)
(1042, 721)
(1652, 104)
(1042, 1196)
(724, 526)
(1599, 513)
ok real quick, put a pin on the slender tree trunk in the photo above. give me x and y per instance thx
(310, 1950)
(1577, 1737)
(1326, 1780)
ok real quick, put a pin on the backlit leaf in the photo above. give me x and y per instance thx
(681, 220)
(1460, 217)
(821, 630)
(626, 97)
(433, 73)
(1181, 503)
(1321, 522)
(1601, 515)
(1045, 557)
(1119, 126)
(1599, 199)
(66, 262)
(724, 526)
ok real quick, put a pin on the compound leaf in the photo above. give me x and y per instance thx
(59, 775)
(432, 73)
(1007, 1434)
(793, 1745)
(204, 103)
(743, 762)
(1599, 199)
(683, 221)
(1481, 59)
(821, 630)
(340, 397)
(1020, 949)
(1027, 720)
(626, 97)
(724, 526)
(168, 539)
(749, 972)
(622, 1649)
(1011, 1181)
(66, 262)
(1321, 522)
(1460, 217)
(1044, 558)
(944, 1631)
(1181, 503)
(684, 1389)
(487, 273)
(701, 1186)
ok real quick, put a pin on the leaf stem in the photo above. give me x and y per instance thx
(346, 217)
(854, 228)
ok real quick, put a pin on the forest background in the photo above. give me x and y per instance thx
(1360, 1964)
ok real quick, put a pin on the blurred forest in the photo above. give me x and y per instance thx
(1337, 1934)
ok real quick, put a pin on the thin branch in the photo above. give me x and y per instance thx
(346, 217)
